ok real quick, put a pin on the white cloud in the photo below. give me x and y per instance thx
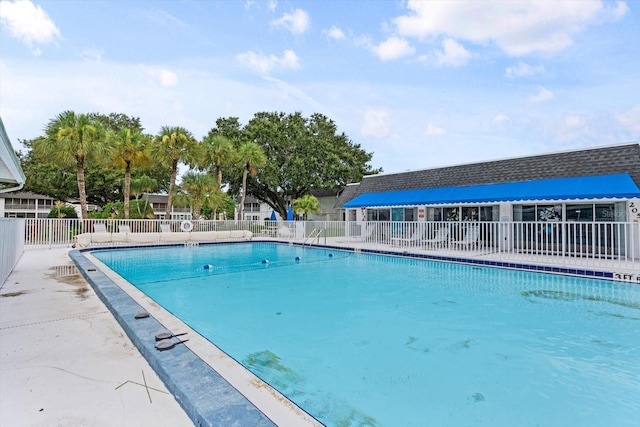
(297, 22)
(573, 121)
(523, 70)
(620, 10)
(163, 76)
(334, 33)
(501, 118)
(631, 119)
(432, 130)
(517, 27)
(272, 5)
(453, 54)
(92, 55)
(376, 123)
(29, 23)
(165, 19)
(393, 48)
(265, 63)
(542, 95)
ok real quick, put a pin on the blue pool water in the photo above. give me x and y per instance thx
(371, 340)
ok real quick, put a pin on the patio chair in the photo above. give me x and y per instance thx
(369, 233)
(165, 228)
(470, 238)
(284, 231)
(124, 228)
(416, 237)
(441, 237)
(100, 233)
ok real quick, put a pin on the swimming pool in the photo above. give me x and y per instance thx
(359, 339)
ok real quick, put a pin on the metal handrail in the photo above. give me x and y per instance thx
(315, 234)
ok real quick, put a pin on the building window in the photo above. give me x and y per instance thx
(378, 214)
(579, 213)
(584, 212)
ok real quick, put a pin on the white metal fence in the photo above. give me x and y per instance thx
(11, 245)
(612, 244)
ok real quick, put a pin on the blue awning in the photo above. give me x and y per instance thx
(620, 186)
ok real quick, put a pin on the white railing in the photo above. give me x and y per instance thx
(566, 243)
(11, 245)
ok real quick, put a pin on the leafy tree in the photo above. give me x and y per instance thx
(305, 205)
(127, 147)
(302, 154)
(251, 156)
(230, 128)
(117, 121)
(70, 140)
(198, 190)
(172, 146)
(46, 178)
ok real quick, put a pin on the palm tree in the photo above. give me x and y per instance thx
(305, 205)
(173, 144)
(217, 151)
(127, 147)
(59, 204)
(252, 157)
(143, 183)
(138, 186)
(198, 190)
(70, 140)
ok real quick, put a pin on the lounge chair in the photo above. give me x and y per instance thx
(440, 239)
(416, 237)
(100, 233)
(284, 231)
(470, 238)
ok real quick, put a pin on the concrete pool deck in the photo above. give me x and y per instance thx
(65, 361)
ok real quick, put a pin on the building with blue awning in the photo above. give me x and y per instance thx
(617, 186)
(602, 183)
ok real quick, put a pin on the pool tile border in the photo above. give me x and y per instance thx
(206, 397)
(498, 264)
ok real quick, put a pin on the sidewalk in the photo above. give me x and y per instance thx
(65, 361)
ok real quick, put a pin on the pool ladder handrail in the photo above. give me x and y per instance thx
(315, 234)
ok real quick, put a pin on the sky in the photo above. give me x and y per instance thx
(419, 84)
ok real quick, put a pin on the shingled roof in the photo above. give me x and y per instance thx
(607, 160)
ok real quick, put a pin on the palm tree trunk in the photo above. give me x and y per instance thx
(172, 184)
(219, 175)
(127, 189)
(82, 193)
(195, 211)
(244, 191)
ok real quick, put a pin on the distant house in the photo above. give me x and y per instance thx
(159, 204)
(328, 210)
(25, 204)
(254, 209)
